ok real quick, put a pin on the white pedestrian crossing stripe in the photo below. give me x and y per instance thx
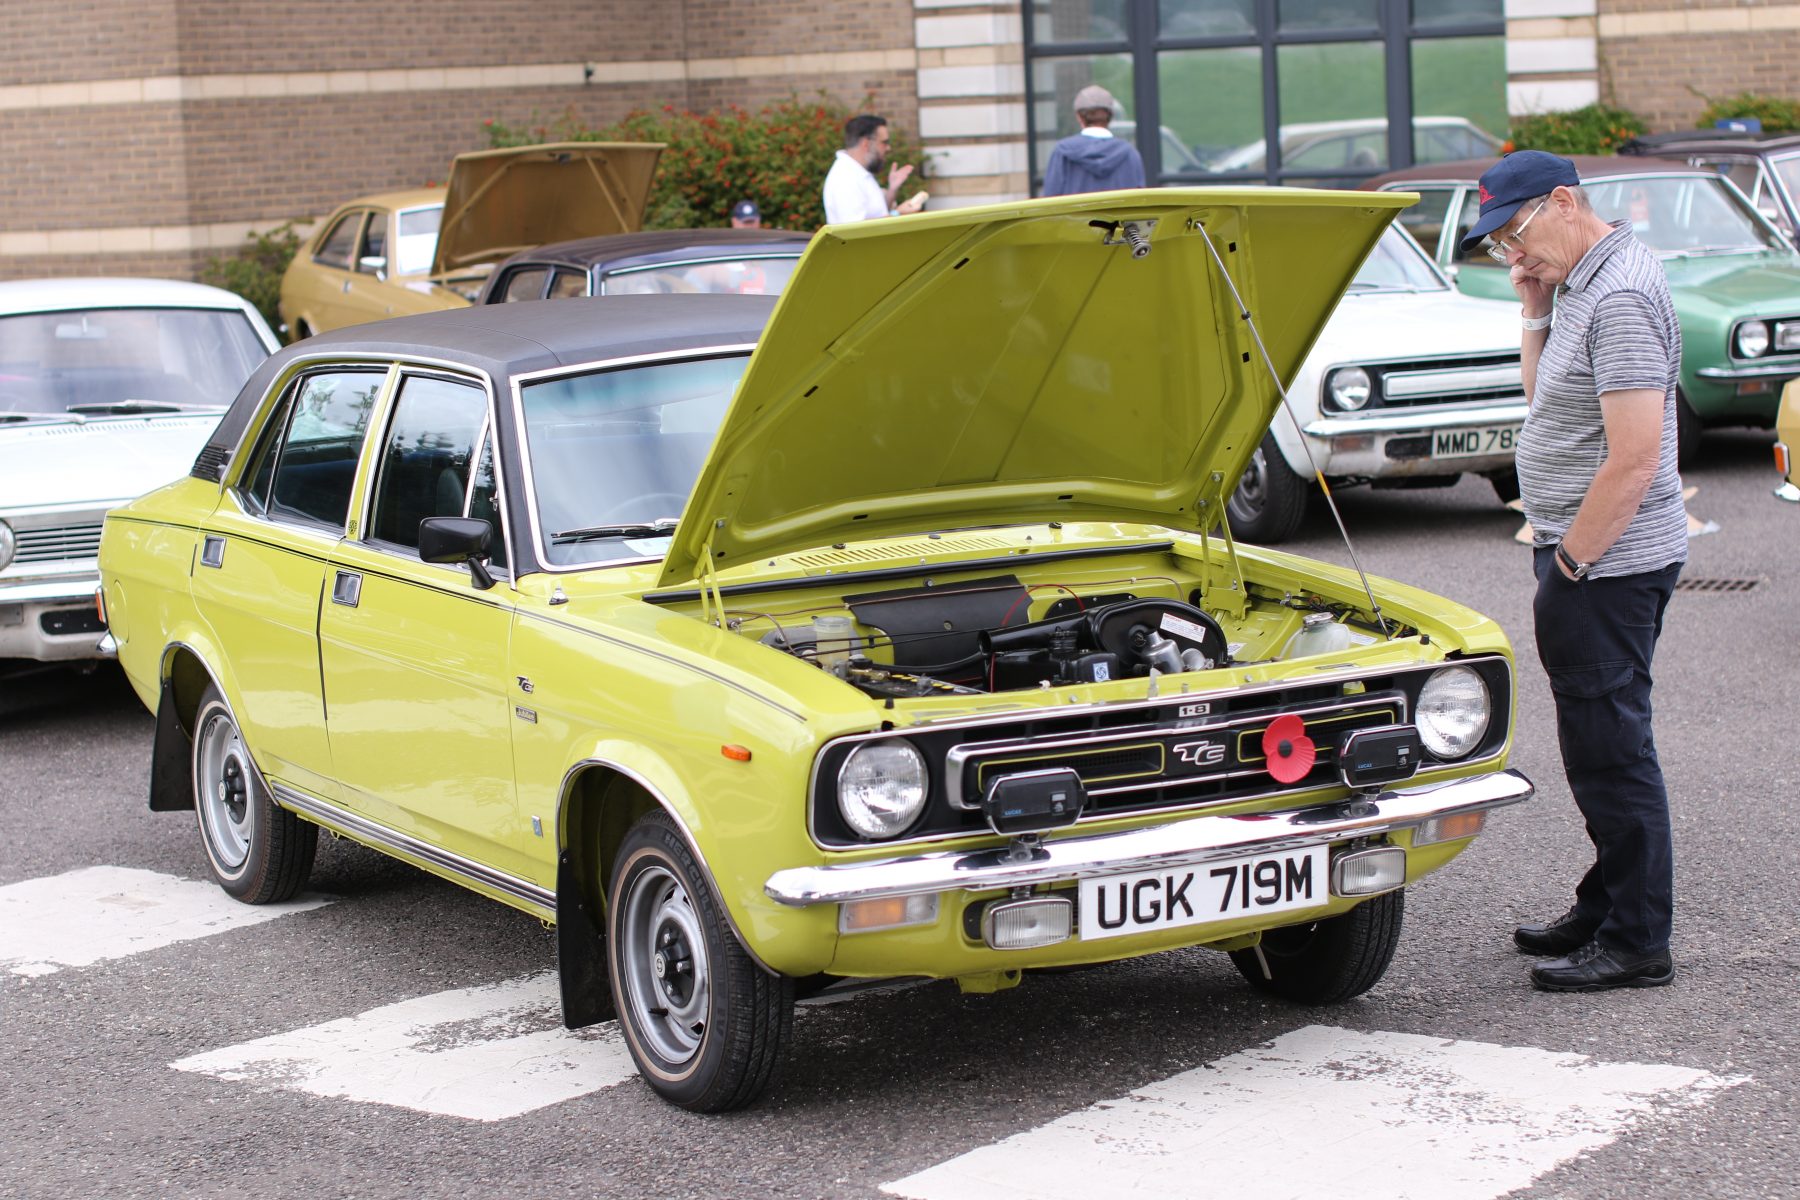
(1329, 1112)
(96, 913)
(483, 1053)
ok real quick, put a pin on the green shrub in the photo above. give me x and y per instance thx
(1596, 129)
(776, 156)
(254, 271)
(1777, 115)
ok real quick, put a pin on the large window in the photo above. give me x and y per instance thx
(1322, 92)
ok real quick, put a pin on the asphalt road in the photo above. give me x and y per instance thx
(892, 1082)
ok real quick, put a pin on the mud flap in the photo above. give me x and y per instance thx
(580, 953)
(171, 758)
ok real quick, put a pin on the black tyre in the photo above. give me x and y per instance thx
(1688, 429)
(1506, 485)
(1270, 500)
(1328, 961)
(258, 852)
(706, 1025)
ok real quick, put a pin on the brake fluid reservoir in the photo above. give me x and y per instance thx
(1320, 633)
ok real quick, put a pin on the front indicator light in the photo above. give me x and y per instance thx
(1028, 924)
(1781, 458)
(1452, 827)
(886, 912)
(1752, 340)
(1454, 709)
(1368, 872)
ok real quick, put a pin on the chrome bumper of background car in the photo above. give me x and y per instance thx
(68, 589)
(1788, 369)
(1178, 844)
(1421, 420)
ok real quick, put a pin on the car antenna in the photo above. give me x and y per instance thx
(1330, 501)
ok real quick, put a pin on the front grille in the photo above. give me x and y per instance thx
(58, 543)
(1470, 379)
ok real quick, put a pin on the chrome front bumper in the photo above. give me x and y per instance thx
(1419, 420)
(22, 606)
(1182, 843)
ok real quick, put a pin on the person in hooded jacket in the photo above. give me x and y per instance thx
(1093, 160)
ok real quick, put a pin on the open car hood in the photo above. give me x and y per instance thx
(1015, 364)
(502, 201)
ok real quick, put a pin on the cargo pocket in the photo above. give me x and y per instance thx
(1595, 718)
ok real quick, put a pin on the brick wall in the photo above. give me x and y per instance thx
(1665, 80)
(58, 41)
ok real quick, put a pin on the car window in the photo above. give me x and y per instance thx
(427, 456)
(1682, 214)
(314, 464)
(1425, 220)
(524, 283)
(1396, 265)
(1789, 171)
(747, 275)
(566, 284)
(86, 359)
(1478, 255)
(374, 242)
(623, 445)
(340, 243)
(415, 242)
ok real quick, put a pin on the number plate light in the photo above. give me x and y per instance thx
(1368, 872)
(1028, 924)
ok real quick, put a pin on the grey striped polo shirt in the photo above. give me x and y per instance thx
(1615, 330)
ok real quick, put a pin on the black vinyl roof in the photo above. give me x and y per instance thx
(1723, 141)
(503, 340)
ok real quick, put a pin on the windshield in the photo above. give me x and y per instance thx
(748, 276)
(1686, 214)
(53, 362)
(417, 239)
(1397, 264)
(620, 447)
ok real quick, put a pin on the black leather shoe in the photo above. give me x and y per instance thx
(1594, 968)
(1568, 932)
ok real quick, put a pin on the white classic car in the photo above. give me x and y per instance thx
(108, 388)
(1412, 384)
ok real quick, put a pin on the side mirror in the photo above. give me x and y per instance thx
(458, 540)
(373, 264)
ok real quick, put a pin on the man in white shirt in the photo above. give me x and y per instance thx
(851, 190)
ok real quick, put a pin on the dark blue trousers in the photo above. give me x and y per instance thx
(1596, 639)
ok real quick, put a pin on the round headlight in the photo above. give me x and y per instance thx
(1349, 388)
(1753, 339)
(8, 544)
(881, 788)
(1453, 712)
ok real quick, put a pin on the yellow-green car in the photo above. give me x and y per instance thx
(894, 638)
(1787, 440)
(398, 253)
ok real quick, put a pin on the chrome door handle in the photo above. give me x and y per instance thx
(346, 589)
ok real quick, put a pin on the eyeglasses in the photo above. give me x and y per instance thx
(1505, 243)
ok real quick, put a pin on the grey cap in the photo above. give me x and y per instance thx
(1094, 96)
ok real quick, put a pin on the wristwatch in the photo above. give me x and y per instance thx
(1577, 570)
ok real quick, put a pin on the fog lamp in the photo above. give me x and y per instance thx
(1034, 801)
(1367, 872)
(886, 912)
(1027, 924)
(1450, 827)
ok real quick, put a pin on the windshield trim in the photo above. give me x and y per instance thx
(528, 478)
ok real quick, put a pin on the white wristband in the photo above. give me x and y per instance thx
(1542, 322)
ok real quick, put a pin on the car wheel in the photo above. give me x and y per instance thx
(1328, 961)
(1506, 485)
(258, 851)
(706, 1025)
(1687, 432)
(1270, 500)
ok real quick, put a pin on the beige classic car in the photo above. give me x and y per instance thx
(398, 253)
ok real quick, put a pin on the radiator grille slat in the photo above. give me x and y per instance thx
(61, 543)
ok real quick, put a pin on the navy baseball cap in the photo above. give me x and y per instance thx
(746, 210)
(1520, 176)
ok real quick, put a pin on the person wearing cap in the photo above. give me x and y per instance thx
(745, 215)
(1093, 160)
(851, 190)
(1596, 462)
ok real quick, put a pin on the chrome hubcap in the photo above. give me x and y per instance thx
(668, 983)
(222, 776)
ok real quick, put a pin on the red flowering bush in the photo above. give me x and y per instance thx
(776, 156)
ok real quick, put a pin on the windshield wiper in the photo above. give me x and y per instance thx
(638, 529)
(128, 408)
(55, 418)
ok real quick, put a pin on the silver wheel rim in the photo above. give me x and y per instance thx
(668, 981)
(1248, 500)
(222, 781)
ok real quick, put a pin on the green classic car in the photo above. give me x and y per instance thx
(1734, 278)
(894, 638)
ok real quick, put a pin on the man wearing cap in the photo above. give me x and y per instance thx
(745, 215)
(1596, 463)
(1093, 160)
(851, 190)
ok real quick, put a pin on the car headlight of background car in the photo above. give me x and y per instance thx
(1349, 388)
(1751, 339)
(1454, 709)
(881, 788)
(8, 545)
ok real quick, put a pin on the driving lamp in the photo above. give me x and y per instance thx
(1348, 388)
(881, 788)
(1454, 708)
(1752, 339)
